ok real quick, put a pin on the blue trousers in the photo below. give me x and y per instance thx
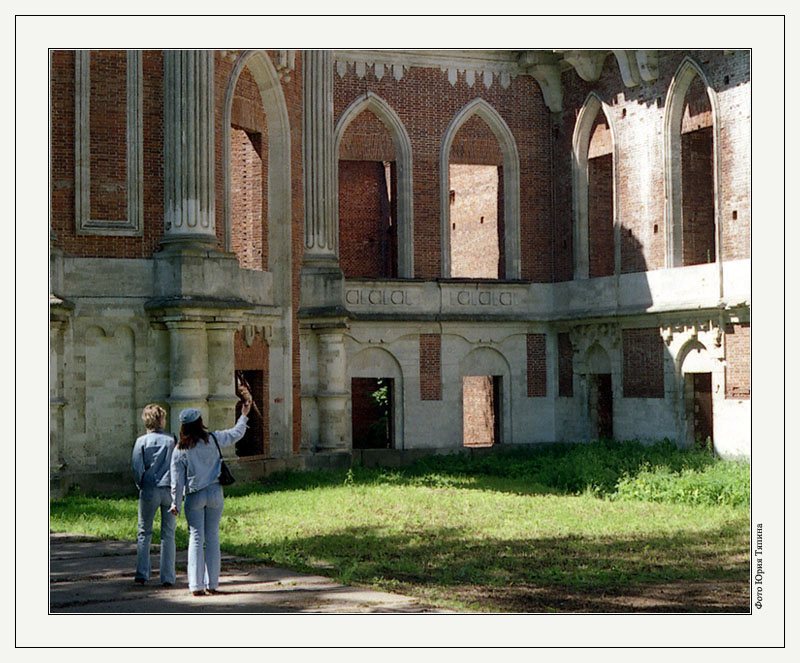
(150, 499)
(203, 512)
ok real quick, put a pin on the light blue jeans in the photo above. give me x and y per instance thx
(150, 499)
(203, 513)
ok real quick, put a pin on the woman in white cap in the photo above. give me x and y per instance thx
(196, 464)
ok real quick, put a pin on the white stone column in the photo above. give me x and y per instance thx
(189, 146)
(188, 361)
(221, 388)
(319, 165)
(332, 393)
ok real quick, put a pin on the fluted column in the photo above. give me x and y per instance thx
(189, 146)
(319, 165)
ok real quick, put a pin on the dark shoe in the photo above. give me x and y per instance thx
(199, 592)
(139, 581)
(167, 584)
(214, 591)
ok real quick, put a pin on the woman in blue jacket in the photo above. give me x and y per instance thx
(196, 465)
(152, 454)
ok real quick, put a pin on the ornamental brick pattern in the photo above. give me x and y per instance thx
(430, 367)
(642, 363)
(737, 361)
(537, 365)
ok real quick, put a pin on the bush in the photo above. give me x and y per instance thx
(723, 482)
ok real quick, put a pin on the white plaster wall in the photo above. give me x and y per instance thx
(732, 428)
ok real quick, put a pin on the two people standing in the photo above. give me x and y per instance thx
(165, 469)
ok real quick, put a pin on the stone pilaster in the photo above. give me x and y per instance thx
(332, 392)
(188, 362)
(319, 166)
(221, 388)
(189, 147)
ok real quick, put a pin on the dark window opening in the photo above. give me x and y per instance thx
(252, 383)
(372, 413)
(481, 400)
(601, 406)
(699, 413)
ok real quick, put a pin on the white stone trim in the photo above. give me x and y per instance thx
(511, 184)
(279, 229)
(84, 223)
(673, 113)
(405, 190)
(580, 183)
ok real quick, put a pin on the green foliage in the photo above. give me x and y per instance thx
(720, 483)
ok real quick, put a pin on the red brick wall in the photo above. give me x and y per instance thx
(642, 363)
(564, 365)
(601, 216)
(537, 365)
(697, 197)
(367, 139)
(430, 367)
(475, 143)
(255, 358)
(363, 219)
(249, 175)
(426, 103)
(107, 142)
(248, 222)
(737, 361)
(108, 188)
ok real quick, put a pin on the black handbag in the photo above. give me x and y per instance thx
(225, 476)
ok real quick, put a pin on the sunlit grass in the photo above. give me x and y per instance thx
(433, 531)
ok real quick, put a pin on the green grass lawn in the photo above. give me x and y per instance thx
(458, 534)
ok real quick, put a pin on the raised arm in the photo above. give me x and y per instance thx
(232, 435)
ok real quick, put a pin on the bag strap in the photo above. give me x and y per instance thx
(213, 437)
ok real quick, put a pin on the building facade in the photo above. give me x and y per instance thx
(397, 252)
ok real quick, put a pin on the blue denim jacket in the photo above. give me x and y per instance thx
(151, 458)
(199, 467)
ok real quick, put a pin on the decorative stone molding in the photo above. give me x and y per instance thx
(648, 65)
(628, 67)
(84, 223)
(249, 332)
(284, 64)
(588, 64)
(546, 69)
(583, 337)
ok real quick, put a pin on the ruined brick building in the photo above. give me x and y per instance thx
(399, 251)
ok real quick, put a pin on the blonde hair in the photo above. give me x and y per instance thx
(152, 416)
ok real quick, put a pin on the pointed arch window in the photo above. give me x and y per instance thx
(508, 220)
(387, 165)
(594, 191)
(692, 160)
